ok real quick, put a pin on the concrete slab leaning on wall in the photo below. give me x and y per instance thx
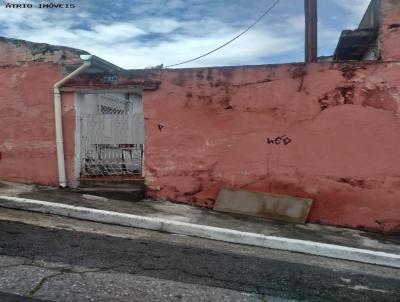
(264, 205)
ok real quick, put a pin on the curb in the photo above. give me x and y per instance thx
(203, 231)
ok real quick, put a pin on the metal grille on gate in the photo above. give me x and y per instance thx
(111, 139)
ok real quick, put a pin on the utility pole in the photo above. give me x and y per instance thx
(311, 19)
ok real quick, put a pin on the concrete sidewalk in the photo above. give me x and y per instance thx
(182, 217)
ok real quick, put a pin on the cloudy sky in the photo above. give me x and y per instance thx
(144, 33)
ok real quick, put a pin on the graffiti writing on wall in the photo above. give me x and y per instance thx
(284, 140)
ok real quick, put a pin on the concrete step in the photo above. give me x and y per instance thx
(128, 194)
(127, 182)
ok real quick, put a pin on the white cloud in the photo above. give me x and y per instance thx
(113, 32)
(159, 25)
(136, 55)
(122, 42)
(151, 38)
(296, 22)
(356, 8)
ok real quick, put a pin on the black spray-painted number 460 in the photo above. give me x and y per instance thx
(284, 139)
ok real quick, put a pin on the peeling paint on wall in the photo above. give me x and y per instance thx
(325, 131)
(341, 119)
(27, 138)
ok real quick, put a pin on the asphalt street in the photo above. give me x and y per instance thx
(63, 264)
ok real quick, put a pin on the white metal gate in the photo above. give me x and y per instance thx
(111, 138)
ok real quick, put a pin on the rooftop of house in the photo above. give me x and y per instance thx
(361, 43)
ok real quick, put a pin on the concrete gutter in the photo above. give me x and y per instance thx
(203, 231)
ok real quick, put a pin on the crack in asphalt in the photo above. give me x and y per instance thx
(64, 270)
(33, 291)
(61, 270)
(251, 288)
(182, 263)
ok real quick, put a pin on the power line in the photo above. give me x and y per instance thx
(239, 35)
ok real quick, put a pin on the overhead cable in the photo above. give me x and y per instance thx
(233, 39)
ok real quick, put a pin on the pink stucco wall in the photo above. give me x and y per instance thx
(27, 136)
(337, 125)
(28, 72)
(330, 132)
(209, 128)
